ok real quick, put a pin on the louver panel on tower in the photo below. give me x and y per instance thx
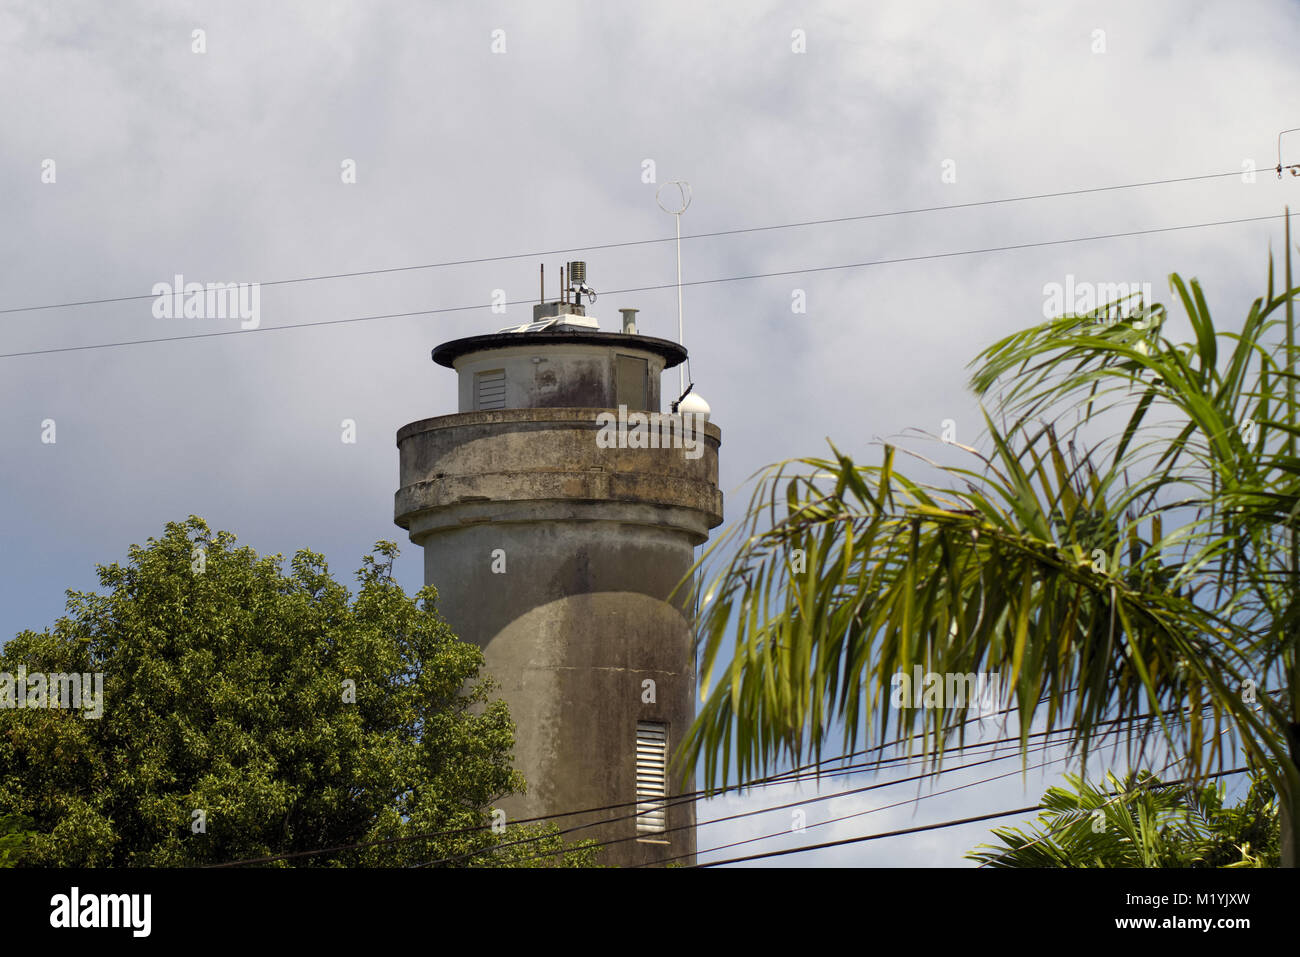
(651, 776)
(490, 390)
(632, 383)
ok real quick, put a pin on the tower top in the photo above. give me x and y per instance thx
(561, 359)
(559, 367)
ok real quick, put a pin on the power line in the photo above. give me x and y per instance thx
(1045, 746)
(1150, 781)
(644, 242)
(685, 799)
(794, 775)
(828, 797)
(915, 830)
(836, 820)
(1140, 785)
(731, 817)
(876, 837)
(655, 288)
(810, 771)
(779, 778)
(1118, 795)
(815, 771)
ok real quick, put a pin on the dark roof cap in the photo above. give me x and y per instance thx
(447, 353)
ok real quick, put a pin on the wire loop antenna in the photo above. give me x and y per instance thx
(684, 191)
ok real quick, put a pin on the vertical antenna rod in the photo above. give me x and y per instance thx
(684, 188)
(542, 280)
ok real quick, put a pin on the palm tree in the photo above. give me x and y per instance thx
(1043, 559)
(1160, 825)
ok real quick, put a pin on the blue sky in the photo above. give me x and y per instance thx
(226, 165)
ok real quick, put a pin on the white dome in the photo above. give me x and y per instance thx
(694, 403)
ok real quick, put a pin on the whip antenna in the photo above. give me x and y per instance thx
(684, 189)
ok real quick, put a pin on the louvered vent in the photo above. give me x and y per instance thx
(490, 390)
(651, 776)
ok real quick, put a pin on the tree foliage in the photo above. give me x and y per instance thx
(249, 712)
(13, 839)
(1139, 822)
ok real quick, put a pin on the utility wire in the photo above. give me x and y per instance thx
(806, 771)
(915, 830)
(666, 239)
(856, 814)
(1045, 746)
(792, 775)
(1138, 786)
(679, 799)
(810, 771)
(655, 288)
(885, 807)
(1117, 796)
(822, 797)
(814, 799)
(876, 837)
(780, 778)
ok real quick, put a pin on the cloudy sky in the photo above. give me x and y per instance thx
(128, 155)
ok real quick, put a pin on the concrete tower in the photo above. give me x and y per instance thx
(555, 528)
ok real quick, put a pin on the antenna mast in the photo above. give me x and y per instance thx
(683, 188)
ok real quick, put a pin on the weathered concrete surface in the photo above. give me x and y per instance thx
(559, 369)
(547, 455)
(594, 540)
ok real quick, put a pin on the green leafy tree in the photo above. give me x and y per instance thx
(1139, 822)
(1123, 546)
(13, 839)
(249, 713)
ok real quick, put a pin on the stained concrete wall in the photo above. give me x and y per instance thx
(594, 540)
(570, 636)
(558, 376)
